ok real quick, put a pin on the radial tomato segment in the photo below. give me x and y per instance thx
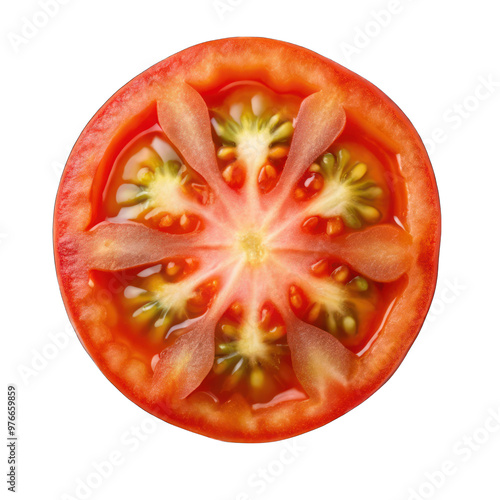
(251, 357)
(252, 128)
(147, 305)
(344, 190)
(150, 183)
(242, 251)
(342, 302)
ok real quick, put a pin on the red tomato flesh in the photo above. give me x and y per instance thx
(248, 253)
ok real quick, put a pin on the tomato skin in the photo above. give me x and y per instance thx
(161, 92)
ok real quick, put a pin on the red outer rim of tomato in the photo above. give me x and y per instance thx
(291, 69)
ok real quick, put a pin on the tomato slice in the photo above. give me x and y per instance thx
(246, 239)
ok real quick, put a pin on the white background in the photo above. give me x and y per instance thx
(430, 58)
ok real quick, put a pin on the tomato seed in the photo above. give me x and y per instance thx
(166, 221)
(278, 152)
(314, 312)
(341, 274)
(320, 267)
(226, 153)
(311, 223)
(300, 194)
(349, 325)
(173, 268)
(334, 226)
(296, 301)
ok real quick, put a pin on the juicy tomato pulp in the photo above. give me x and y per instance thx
(219, 292)
(150, 183)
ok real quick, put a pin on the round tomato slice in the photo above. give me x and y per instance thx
(246, 239)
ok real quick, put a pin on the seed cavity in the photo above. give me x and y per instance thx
(252, 347)
(253, 136)
(164, 295)
(164, 193)
(346, 196)
(331, 297)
